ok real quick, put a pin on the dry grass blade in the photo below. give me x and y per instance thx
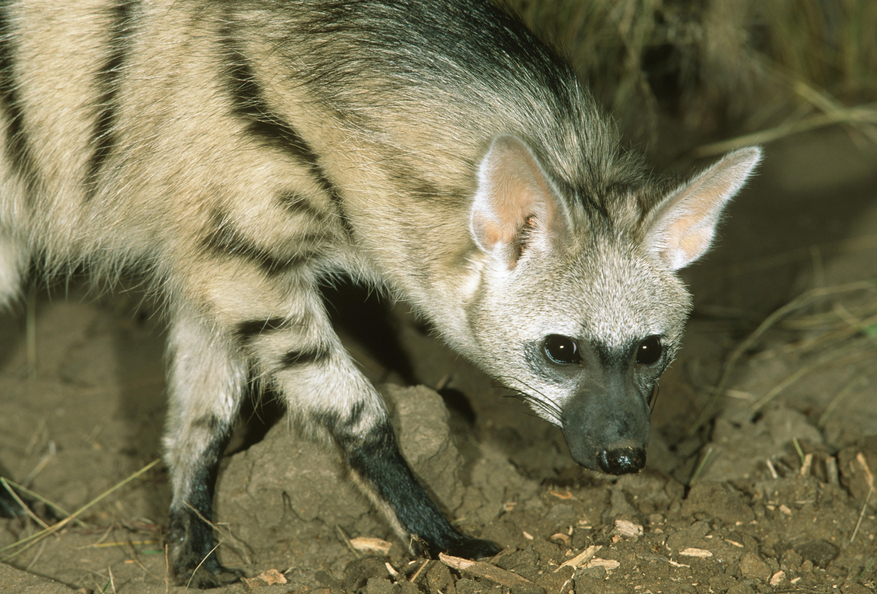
(225, 532)
(347, 541)
(866, 568)
(851, 354)
(167, 571)
(18, 500)
(861, 115)
(200, 563)
(26, 543)
(829, 410)
(701, 465)
(420, 570)
(41, 499)
(798, 449)
(776, 390)
(771, 58)
(846, 246)
(125, 543)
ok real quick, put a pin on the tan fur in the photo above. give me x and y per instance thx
(234, 155)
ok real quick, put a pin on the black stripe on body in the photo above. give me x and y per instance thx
(297, 204)
(251, 328)
(223, 239)
(103, 138)
(419, 187)
(298, 357)
(17, 145)
(411, 177)
(248, 103)
(341, 422)
(415, 185)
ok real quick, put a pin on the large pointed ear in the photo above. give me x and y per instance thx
(515, 206)
(681, 228)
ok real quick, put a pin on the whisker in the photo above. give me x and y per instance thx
(653, 397)
(539, 402)
(542, 398)
(549, 408)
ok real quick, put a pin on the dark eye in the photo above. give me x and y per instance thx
(649, 351)
(562, 349)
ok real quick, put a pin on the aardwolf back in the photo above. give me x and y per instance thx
(237, 154)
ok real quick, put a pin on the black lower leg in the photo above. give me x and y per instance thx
(376, 459)
(192, 552)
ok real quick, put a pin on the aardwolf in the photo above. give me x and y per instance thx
(236, 154)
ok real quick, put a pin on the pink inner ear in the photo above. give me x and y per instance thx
(682, 227)
(692, 239)
(488, 231)
(511, 188)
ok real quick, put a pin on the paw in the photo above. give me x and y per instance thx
(468, 548)
(208, 575)
(192, 555)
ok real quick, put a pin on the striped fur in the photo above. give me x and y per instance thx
(236, 154)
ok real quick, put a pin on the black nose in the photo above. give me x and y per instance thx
(622, 460)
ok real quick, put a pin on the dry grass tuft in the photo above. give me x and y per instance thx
(781, 66)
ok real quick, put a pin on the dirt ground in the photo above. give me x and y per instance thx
(771, 494)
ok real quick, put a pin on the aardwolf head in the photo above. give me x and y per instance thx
(578, 306)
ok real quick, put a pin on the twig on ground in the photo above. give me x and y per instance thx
(869, 478)
(831, 470)
(420, 570)
(492, 573)
(581, 558)
(773, 471)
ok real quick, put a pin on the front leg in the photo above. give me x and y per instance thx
(207, 380)
(324, 389)
(283, 337)
(382, 472)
